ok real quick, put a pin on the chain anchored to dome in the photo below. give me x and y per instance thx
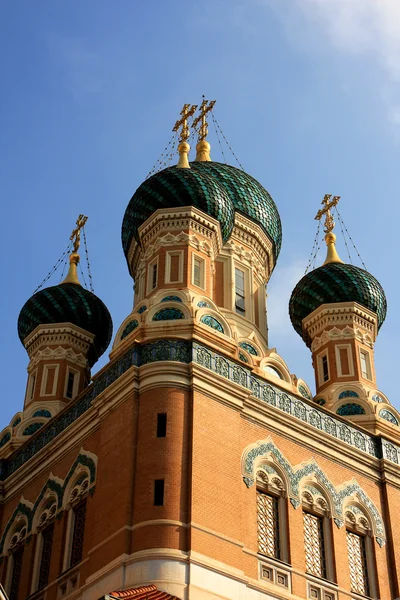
(187, 111)
(203, 147)
(330, 238)
(72, 276)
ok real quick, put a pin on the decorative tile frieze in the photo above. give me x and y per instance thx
(285, 402)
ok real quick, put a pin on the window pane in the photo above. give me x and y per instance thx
(325, 370)
(268, 525)
(161, 424)
(154, 280)
(239, 281)
(197, 272)
(79, 530)
(46, 556)
(70, 384)
(314, 545)
(16, 572)
(357, 563)
(159, 492)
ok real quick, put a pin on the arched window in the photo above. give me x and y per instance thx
(271, 514)
(360, 551)
(44, 545)
(16, 551)
(317, 532)
(76, 522)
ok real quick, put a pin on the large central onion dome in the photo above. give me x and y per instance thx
(215, 188)
(68, 303)
(335, 282)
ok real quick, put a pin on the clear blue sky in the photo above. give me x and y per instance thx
(307, 94)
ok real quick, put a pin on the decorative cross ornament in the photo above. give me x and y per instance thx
(327, 204)
(205, 107)
(186, 112)
(76, 234)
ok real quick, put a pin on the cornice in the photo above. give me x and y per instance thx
(340, 315)
(60, 333)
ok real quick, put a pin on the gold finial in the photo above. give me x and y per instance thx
(72, 275)
(203, 147)
(330, 238)
(184, 148)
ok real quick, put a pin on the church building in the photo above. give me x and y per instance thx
(194, 465)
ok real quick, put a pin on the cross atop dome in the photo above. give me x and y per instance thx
(330, 238)
(72, 275)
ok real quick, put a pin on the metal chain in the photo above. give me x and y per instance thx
(315, 244)
(55, 267)
(83, 275)
(164, 156)
(63, 270)
(226, 141)
(87, 261)
(218, 138)
(344, 237)
(350, 238)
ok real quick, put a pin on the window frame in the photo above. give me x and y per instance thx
(364, 354)
(75, 385)
(269, 489)
(238, 310)
(45, 375)
(202, 265)
(167, 277)
(348, 348)
(327, 538)
(320, 359)
(152, 282)
(70, 537)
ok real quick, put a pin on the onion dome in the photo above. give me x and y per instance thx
(336, 282)
(69, 302)
(216, 189)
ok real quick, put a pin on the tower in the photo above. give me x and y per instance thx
(195, 465)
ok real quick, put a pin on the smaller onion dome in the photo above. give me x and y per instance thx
(335, 282)
(69, 302)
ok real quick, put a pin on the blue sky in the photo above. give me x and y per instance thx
(307, 95)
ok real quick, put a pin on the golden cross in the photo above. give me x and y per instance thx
(186, 112)
(76, 234)
(204, 109)
(327, 204)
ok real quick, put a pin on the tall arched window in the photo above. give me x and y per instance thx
(76, 522)
(360, 552)
(271, 509)
(15, 559)
(317, 532)
(44, 544)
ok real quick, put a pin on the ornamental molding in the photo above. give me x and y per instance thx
(248, 232)
(346, 316)
(63, 333)
(59, 353)
(185, 351)
(167, 220)
(250, 259)
(85, 463)
(257, 453)
(338, 335)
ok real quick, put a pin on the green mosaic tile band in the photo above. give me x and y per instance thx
(68, 303)
(215, 188)
(336, 282)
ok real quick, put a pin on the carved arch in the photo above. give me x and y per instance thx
(24, 510)
(255, 453)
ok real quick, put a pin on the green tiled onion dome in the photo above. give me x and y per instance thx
(249, 197)
(68, 303)
(335, 282)
(215, 188)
